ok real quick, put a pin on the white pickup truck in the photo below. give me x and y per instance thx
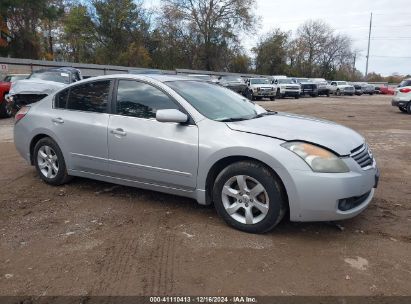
(257, 88)
(342, 88)
(286, 87)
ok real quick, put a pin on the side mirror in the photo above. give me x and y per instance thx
(171, 115)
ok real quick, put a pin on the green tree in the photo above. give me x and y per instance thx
(78, 39)
(121, 28)
(271, 53)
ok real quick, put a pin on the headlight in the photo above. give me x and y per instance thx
(319, 159)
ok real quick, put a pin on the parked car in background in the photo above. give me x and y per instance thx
(359, 88)
(40, 84)
(195, 139)
(387, 90)
(402, 98)
(286, 87)
(307, 87)
(5, 85)
(234, 83)
(323, 86)
(368, 88)
(257, 88)
(208, 78)
(342, 88)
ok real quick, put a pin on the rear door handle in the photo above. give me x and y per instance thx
(119, 131)
(58, 120)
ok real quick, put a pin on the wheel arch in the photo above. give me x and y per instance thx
(33, 143)
(222, 163)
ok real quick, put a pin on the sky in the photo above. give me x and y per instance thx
(390, 50)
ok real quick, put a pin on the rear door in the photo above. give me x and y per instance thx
(80, 119)
(143, 149)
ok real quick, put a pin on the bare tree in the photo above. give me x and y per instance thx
(214, 24)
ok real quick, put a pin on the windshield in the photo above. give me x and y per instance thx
(14, 78)
(285, 81)
(52, 76)
(232, 78)
(205, 77)
(259, 81)
(213, 101)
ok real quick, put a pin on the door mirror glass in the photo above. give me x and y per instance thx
(171, 115)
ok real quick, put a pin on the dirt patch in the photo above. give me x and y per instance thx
(93, 238)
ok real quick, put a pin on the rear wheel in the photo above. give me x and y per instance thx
(404, 110)
(249, 197)
(272, 98)
(49, 162)
(409, 108)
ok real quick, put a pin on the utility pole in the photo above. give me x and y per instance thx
(368, 51)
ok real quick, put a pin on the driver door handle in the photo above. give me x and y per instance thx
(58, 120)
(119, 132)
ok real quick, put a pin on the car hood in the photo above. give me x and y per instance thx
(35, 86)
(263, 85)
(292, 127)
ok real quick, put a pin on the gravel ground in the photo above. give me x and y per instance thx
(95, 238)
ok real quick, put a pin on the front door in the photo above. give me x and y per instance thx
(143, 149)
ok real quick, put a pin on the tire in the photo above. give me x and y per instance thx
(250, 96)
(328, 94)
(4, 113)
(272, 98)
(338, 92)
(404, 110)
(261, 217)
(278, 94)
(49, 162)
(297, 97)
(409, 108)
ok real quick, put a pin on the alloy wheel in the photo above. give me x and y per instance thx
(245, 199)
(47, 162)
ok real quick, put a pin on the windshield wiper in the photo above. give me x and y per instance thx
(268, 113)
(233, 119)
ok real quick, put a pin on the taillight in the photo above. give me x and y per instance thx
(20, 114)
(405, 90)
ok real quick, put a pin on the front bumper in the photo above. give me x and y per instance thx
(291, 93)
(264, 93)
(399, 102)
(318, 196)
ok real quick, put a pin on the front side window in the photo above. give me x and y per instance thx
(141, 100)
(213, 101)
(89, 97)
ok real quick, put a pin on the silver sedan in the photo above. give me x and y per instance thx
(200, 140)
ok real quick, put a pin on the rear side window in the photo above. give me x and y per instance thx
(142, 100)
(60, 101)
(89, 97)
(405, 83)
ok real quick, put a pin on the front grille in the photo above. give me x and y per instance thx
(363, 156)
(349, 89)
(291, 88)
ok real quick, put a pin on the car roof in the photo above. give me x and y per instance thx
(62, 69)
(158, 77)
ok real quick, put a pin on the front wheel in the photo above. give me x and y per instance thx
(49, 162)
(249, 197)
(272, 98)
(409, 108)
(250, 95)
